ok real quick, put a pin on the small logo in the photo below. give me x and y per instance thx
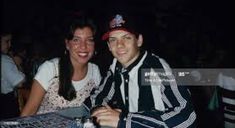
(181, 74)
(117, 21)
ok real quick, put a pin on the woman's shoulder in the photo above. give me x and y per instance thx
(93, 66)
(94, 71)
(46, 72)
(51, 62)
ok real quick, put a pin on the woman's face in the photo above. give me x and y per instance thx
(81, 46)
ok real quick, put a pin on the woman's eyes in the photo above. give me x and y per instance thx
(112, 40)
(77, 40)
(91, 40)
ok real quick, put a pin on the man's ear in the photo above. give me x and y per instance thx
(140, 40)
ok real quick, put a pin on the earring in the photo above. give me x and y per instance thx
(95, 53)
(65, 51)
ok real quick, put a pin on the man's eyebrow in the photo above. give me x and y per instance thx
(127, 34)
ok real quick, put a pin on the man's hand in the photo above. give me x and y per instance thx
(106, 116)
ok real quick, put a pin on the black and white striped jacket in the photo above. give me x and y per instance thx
(153, 105)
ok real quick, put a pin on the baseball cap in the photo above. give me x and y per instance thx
(120, 22)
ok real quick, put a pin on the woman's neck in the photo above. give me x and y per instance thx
(80, 72)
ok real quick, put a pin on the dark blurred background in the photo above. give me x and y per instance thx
(184, 32)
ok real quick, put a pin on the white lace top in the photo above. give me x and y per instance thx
(47, 76)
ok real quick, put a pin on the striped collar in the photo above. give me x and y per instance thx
(120, 69)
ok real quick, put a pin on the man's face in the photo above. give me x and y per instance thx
(5, 43)
(124, 46)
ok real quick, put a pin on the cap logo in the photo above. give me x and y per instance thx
(116, 22)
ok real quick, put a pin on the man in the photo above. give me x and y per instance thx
(128, 99)
(11, 77)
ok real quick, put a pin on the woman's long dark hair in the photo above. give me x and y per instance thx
(66, 69)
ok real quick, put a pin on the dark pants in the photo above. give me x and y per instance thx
(9, 106)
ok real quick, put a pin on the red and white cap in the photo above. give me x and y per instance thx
(119, 23)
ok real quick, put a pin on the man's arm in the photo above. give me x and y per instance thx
(100, 95)
(181, 113)
(178, 113)
(13, 75)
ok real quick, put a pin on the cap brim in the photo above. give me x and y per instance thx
(106, 35)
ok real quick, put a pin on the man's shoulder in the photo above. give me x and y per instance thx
(152, 55)
(6, 59)
(113, 64)
(152, 60)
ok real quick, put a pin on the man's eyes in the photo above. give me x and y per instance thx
(127, 37)
(123, 38)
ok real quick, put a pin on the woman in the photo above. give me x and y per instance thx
(67, 81)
